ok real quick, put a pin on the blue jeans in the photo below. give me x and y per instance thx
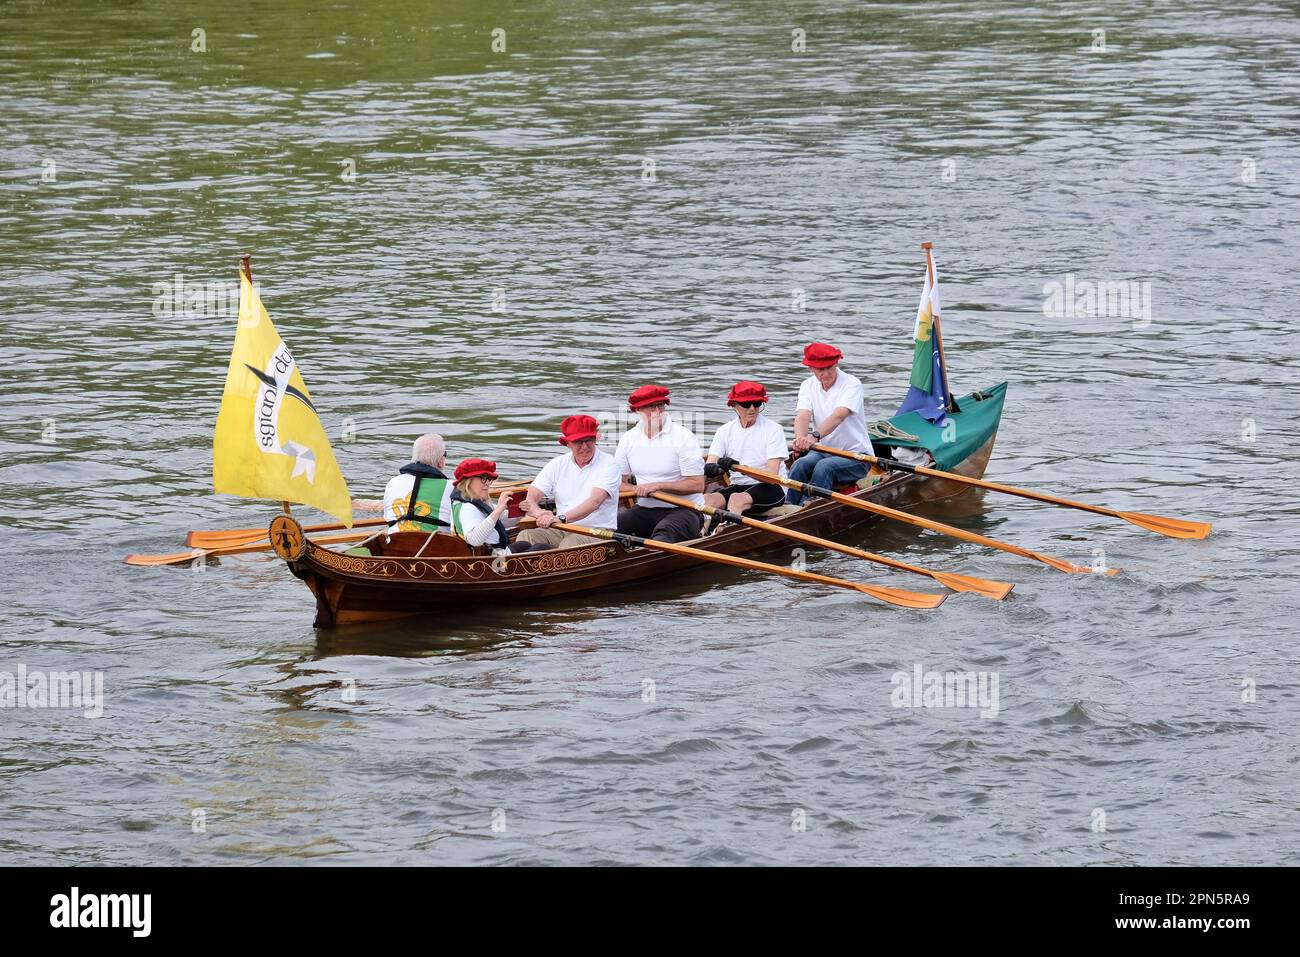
(826, 471)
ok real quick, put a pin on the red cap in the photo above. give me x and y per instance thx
(818, 355)
(578, 427)
(473, 468)
(647, 395)
(747, 392)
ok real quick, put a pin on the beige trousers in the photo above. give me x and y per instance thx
(554, 538)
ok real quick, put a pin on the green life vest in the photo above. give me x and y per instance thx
(458, 517)
(432, 500)
(465, 515)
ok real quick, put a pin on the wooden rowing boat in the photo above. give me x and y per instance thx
(394, 582)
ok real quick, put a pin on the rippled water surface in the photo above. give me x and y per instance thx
(1164, 698)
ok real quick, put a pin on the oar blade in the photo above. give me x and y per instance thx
(980, 586)
(236, 548)
(1173, 527)
(175, 558)
(902, 597)
(234, 536)
(225, 537)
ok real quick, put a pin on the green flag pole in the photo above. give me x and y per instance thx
(948, 402)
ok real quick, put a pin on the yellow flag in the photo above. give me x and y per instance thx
(269, 442)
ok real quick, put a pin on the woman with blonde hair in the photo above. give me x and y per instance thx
(473, 517)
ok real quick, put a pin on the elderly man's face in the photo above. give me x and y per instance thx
(826, 376)
(584, 450)
(747, 412)
(653, 415)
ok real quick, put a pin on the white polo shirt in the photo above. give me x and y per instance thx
(570, 485)
(671, 455)
(851, 434)
(751, 446)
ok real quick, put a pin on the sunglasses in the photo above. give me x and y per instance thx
(747, 405)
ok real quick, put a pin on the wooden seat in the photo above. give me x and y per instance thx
(406, 544)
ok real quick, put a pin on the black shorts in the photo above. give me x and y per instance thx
(765, 495)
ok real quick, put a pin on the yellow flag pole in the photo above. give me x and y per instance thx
(245, 265)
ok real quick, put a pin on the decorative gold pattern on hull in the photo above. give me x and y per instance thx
(383, 567)
(468, 569)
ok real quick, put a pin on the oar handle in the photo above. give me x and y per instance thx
(705, 509)
(623, 538)
(864, 457)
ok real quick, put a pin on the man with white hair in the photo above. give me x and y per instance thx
(418, 498)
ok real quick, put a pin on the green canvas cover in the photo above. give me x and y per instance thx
(968, 430)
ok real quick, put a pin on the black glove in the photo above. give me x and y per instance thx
(726, 464)
(712, 469)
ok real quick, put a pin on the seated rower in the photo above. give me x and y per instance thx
(829, 412)
(751, 439)
(664, 457)
(473, 517)
(583, 482)
(418, 498)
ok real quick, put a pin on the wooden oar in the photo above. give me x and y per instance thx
(894, 596)
(180, 558)
(223, 538)
(808, 489)
(980, 586)
(1173, 527)
(220, 538)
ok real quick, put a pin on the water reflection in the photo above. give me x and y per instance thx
(477, 631)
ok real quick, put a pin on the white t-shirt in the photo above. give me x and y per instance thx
(752, 446)
(671, 455)
(851, 434)
(570, 486)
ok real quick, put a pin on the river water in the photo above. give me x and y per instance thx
(481, 242)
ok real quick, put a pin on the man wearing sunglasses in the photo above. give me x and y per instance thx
(584, 483)
(751, 439)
